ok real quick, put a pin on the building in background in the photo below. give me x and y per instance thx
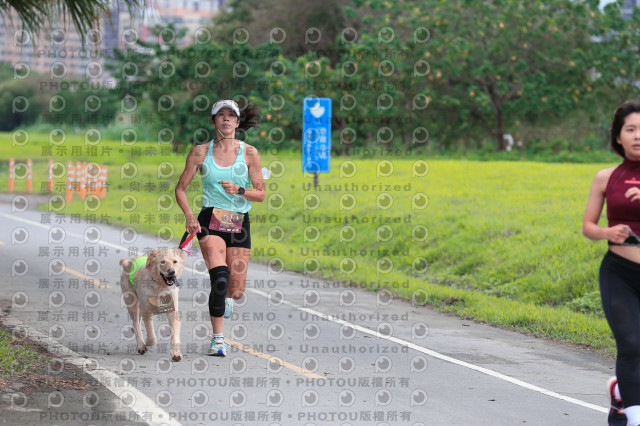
(188, 14)
(627, 8)
(57, 50)
(59, 53)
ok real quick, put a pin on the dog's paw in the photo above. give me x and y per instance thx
(176, 357)
(142, 350)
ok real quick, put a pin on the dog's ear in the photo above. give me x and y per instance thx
(152, 258)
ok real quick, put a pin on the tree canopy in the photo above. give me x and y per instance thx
(402, 75)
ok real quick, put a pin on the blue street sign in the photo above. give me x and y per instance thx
(316, 135)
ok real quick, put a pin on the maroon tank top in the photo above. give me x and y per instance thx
(619, 209)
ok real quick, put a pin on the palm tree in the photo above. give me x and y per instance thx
(85, 14)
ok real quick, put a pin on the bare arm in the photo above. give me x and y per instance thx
(257, 191)
(590, 229)
(193, 163)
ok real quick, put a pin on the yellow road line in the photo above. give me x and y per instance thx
(236, 345)
(282, 362)
(81, 275)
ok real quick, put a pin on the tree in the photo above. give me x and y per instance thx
(21, 101)
(403, 75)
(617, 70)
(175, 87)
(511, 59)
(297, 26)
(85, 14)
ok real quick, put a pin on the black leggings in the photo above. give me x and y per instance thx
(620, 293)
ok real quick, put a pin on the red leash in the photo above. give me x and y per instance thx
(186, 244)
(189, 238)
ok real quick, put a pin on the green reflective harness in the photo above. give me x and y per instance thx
(137, 264)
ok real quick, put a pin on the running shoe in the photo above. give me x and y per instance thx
(228, 307)
(616, 416)
(219, 348)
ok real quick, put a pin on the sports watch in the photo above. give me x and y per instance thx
(240, 191)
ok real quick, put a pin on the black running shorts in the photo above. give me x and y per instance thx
(231, 239)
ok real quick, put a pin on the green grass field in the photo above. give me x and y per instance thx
(499, 242)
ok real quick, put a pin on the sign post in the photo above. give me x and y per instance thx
(316, 136)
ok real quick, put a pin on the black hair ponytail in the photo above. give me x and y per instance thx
(249, 117)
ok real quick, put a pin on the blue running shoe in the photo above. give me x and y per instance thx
(218, 347)
(228, 307)
(616, 415)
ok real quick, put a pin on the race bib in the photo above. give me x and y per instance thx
(162, 303)
(226, 221)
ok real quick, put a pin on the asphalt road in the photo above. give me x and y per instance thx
(304, 351)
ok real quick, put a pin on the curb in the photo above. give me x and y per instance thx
(133, 405)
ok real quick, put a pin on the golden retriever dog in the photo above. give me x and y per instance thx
(150, 287)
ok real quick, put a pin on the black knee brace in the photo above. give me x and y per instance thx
(219, 283)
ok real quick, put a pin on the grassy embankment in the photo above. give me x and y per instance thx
(18, 357)
(502, 239)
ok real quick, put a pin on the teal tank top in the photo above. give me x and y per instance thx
(213, 195)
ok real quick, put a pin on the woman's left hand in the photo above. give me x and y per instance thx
(229, 187)
(633, 194)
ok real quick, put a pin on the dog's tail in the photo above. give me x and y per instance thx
(126, 264)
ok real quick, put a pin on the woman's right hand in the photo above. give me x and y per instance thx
(618, 234)
(192, 224)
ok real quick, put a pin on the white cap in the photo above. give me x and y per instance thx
(225, 104)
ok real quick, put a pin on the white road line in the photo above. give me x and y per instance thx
(440, 356)
(47, 227)
(243, 348)
(413, 346)
(131, 397)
